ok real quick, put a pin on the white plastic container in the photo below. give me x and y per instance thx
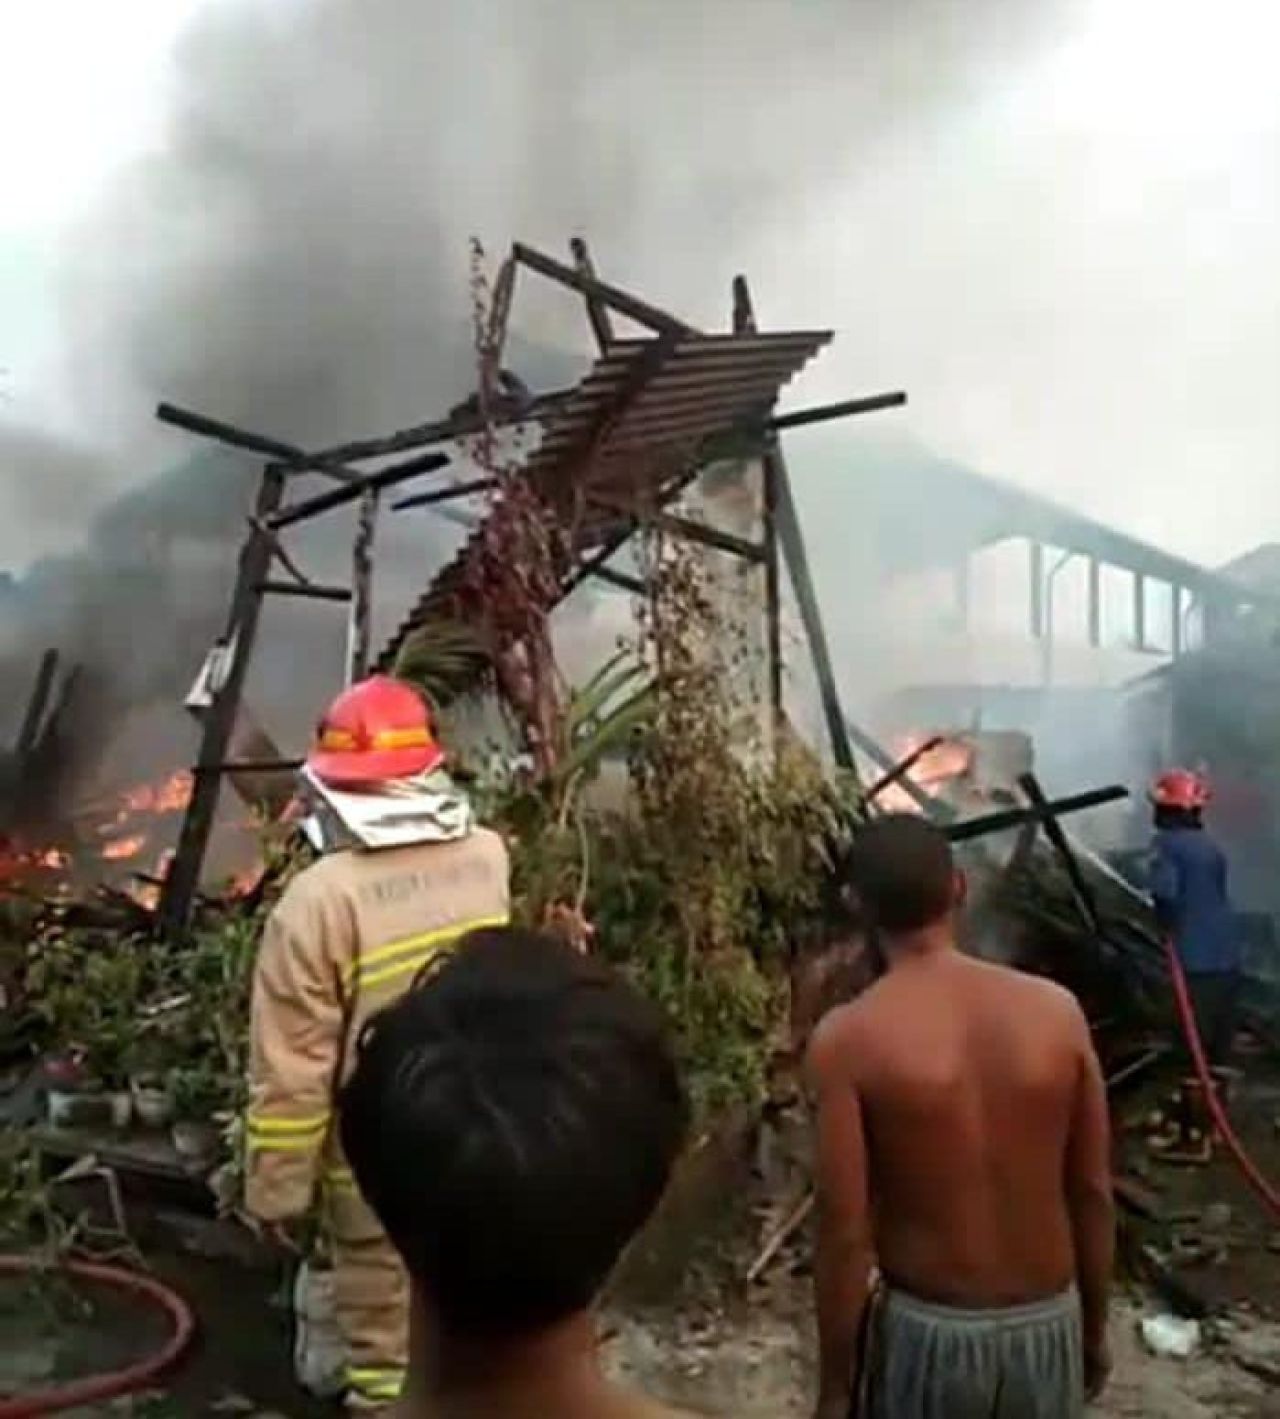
(1171, 1337)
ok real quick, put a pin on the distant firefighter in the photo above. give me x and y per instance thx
(1188, 880)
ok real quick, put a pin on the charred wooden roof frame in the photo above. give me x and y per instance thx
(715, 396)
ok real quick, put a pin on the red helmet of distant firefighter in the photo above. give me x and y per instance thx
(1179, 788)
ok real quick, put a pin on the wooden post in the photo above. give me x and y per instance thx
(183, 878)
(744, 324)
(790, 540)
(360, 626)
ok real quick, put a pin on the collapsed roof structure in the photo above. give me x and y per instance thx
(615, 451)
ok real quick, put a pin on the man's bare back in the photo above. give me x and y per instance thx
(962, 1145)
(967, 1075)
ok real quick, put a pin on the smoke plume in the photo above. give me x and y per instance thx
(294, 258)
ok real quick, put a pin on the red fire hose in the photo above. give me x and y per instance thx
(124, 1381)
(1187, 1019)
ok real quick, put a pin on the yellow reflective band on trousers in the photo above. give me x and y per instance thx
(400, 958)
(377, 1385)
(267, 1133)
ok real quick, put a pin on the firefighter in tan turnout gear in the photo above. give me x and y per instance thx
(405, 872)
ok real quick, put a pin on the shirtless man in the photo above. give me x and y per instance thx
(963, 1147)
(512, 1121)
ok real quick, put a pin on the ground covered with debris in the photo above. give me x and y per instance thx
(724, 1348)
(755, 1359)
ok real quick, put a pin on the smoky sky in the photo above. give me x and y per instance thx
(295, 255)
(1052, 223)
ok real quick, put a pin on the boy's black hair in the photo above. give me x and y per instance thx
(903, 872)
(512, 1120)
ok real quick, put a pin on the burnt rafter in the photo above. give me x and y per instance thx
(616, 450)
(626, 442)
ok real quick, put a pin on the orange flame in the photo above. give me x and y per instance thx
(951, 759)
(171, 796)
(123, 848)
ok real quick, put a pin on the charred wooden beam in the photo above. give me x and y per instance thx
(183, 878)
(847, 408)
(373, 482)
(711, 537)
(1081, 893)
(306, 589)
(66, 693)
(593, 563)
(1015, 817)
(744, 323)
(634, 584)
(597, 311)
(499, 318)
(360, 627)
(901, 769)
(453, 426)
(445, 495)
(769, 493)
(295, 459)
(690, 530)
(930, 807)
(613, 297)
(37, 704)
(791, 541)
(644, 368)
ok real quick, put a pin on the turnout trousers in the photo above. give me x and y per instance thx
(371, 1297)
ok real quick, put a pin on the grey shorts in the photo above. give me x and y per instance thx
(940, 1362)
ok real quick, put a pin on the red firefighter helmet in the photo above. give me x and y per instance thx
(1179, 788)
(377, 729)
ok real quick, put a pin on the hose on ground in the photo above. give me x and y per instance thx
(126, 1380)
(1187, 1019)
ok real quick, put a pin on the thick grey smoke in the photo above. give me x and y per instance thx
(294, 258)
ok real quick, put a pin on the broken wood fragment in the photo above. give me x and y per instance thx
(785, 1230)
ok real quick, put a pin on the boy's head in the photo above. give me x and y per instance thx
(903, 872)
(512, 1120)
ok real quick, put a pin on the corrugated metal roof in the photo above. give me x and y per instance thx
(638, 420)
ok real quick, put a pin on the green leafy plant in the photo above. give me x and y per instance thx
(705, 876)
(199, 1092)
(88, 988)
(445, 659)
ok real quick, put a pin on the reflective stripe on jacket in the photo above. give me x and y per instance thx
(346, 939)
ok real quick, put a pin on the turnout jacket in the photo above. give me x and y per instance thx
(345, 940)
(1189, 885)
